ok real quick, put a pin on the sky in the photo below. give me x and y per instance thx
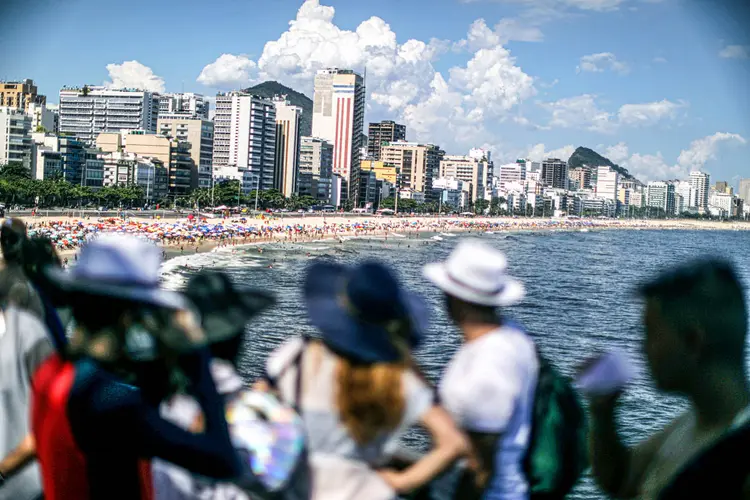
(661, 87)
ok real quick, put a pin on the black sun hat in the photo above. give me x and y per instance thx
(224, 309)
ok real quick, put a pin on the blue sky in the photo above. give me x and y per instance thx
(659, 86)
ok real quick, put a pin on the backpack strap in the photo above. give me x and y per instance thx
(296, 362)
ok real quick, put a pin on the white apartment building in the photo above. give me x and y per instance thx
(15, 137)
(286, 165)
(453, 192)
(41, 117)
(607, 180)
(338, 117)
(199, 134)
(185, 103)
(315, 168)
(720, 203)
(699, 188)
(245, 137)
(89, 111)
(468, 169)
(127, 169)
(512, 172)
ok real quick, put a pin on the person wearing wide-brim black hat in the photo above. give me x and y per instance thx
(357, 389)
(86, 420)
(225, 312)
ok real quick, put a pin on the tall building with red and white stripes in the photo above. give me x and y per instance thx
(338, 117)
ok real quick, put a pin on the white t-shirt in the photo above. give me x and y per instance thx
(342, 469)
(489, 387)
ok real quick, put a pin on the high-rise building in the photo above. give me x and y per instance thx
(89, 111)
(15, 137)
(580, 177)
(744, 191)
(43, 119)
(186, 103)
(607, 180)
(512, 172)
(383, 132)
(417, 164)
(699, 188)
(661, 195)
(20, 95)
(286, 165)
(469, 169)
(383, 171)
(315, 168)
(68, 159)
(173, 154)
(555, 173)
(245, 138)
(199, 134)
(338, 117)
(683, 188)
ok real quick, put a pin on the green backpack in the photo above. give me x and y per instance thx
(558, 451)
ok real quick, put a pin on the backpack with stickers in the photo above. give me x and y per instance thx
(558, 451)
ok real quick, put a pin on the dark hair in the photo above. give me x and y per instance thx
(461, 311)
(38, 252)
(705, 294)
(12, 236)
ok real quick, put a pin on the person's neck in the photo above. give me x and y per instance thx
(719, 396)
(473, 331)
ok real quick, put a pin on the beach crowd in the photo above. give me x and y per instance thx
(71, 234)
(116, 388)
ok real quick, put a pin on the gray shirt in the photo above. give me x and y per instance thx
(24, 345)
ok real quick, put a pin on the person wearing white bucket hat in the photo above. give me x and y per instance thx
(489, 385)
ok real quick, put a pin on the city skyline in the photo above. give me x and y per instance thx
(500, 75)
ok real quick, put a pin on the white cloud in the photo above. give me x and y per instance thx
(702, 150)
(540, 153)
(654, 167)
(598, 63)
(481, 36)
(492, 81)
(648, 113)
(134, 75)
(452, 109)
(659, 60)
(519, 30)
(583, 112)
(735, 52)
(579, 112)
(229, 71)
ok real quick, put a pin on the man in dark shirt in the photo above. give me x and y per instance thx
(14, 285)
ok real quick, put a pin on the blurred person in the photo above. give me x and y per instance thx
(489, 385)
(225, 312)
(24, 346)
(357, 389)
(14, 285)
(696, 323)
(95, 432)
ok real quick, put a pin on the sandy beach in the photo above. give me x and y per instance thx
(234, 231)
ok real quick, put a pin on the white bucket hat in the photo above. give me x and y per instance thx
(476, 273)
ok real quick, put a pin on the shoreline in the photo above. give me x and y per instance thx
(188, 240)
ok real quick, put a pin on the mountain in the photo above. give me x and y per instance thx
(270, 89)
(585, 156)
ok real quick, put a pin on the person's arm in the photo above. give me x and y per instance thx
(448, 445)
(18, 458)
(618, 469)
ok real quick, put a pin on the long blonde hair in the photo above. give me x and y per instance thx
(371, 397)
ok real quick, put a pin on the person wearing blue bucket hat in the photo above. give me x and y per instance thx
(357, 388)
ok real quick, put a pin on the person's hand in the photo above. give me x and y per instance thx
(600, 403)
(393, 479)
(183, 332)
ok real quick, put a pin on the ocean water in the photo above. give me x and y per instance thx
(579, 297)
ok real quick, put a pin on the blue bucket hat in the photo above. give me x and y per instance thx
(355, 307)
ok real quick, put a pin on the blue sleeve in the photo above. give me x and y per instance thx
(54, 325)
(119, 413)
